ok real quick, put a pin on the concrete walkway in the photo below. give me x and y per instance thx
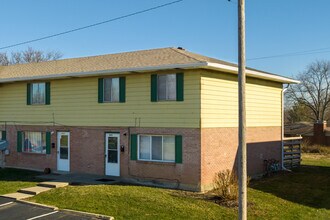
(32, 191)
(61, 180)
(13, 206)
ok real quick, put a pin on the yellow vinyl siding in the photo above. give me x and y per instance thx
(219, 101)
(74, 102)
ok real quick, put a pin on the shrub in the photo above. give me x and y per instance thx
(226, 185)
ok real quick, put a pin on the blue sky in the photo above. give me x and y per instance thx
(208, 27)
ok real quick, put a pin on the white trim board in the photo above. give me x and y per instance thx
(197, 65)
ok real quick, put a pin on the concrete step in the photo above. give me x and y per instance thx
(53, 184)
(34, 190)
(17, 196)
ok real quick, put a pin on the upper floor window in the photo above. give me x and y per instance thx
(112, 89)
(38, 93)
(167, 87)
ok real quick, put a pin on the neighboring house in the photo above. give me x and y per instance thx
(166, 116)
(317, 133)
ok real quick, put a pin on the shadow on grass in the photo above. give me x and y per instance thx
(307, 185)
(10, 174)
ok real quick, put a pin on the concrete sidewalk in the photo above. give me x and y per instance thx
(13, 206)
(32, 191)
(61, 180)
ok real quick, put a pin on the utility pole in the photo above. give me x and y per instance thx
(242, 176)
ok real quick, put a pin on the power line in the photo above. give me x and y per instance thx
(91, 25)
(300, 53)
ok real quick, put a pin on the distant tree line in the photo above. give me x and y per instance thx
(29, 55)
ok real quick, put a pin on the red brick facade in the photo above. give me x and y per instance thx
(87, 147)
(219, 150)
(205, 152)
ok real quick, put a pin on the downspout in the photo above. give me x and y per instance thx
(282, 129)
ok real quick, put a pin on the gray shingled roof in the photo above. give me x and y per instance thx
(128, 60)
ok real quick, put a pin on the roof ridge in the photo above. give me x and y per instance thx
(183, 53)
(85, 57)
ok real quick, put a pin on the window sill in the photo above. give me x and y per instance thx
(167, 100)
(156, 162)
(32, 153)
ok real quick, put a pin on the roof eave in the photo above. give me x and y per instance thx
(107, 72)
(195, 65)
(252, 73)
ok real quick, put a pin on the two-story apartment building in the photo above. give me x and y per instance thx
(164, 115)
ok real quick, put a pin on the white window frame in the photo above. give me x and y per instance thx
(23, 143)
(166, 100)
(110, 101)
(31, 92)
(150, 148)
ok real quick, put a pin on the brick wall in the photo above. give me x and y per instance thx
(87, 149)
(28, 160)
(219, 150)
(188, 173)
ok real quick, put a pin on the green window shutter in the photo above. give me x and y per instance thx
(100, 97)
(28, 94)
(122, 89)
(153, 87)
(47, 93)
(19, 141)
(48, 140)
(133, 146)
(178, 149)
(179, 86)
(3, 135)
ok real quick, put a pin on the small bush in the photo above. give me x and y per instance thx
(226, 185)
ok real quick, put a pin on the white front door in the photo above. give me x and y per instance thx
(63, 151)
(112, 154)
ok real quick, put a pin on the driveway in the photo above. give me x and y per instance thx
(10, 209)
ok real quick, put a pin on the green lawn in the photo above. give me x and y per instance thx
(316, 160)
(12, 180)
(303, 194)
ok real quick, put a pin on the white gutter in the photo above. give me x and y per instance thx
(196, 65)
(282, 129)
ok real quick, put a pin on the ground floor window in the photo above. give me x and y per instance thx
(156, 148)
(34, 142)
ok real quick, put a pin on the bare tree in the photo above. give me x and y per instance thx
(314, 90)
(29, 55)
(4, 60)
